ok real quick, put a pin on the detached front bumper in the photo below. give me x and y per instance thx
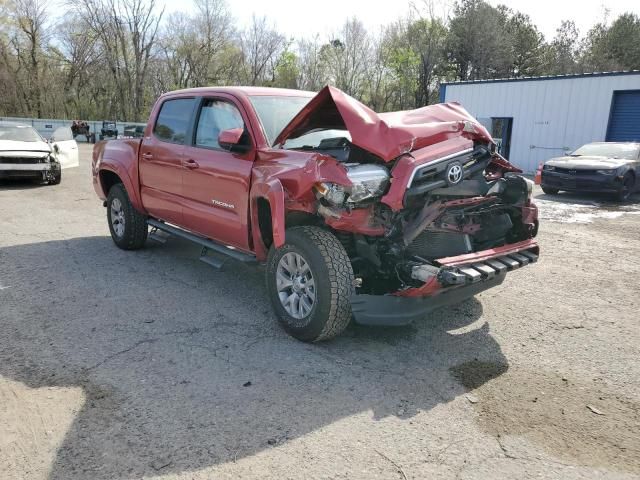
(481, 271)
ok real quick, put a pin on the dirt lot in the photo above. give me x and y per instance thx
(121, 365)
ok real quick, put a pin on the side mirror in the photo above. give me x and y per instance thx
(230, 138)
(56, 148)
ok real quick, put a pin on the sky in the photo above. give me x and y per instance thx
(305, 18)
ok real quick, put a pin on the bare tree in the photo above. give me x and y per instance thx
(261, 44)
(127, 31)
(23, 55)
(214, 25)
(112, 58)
(348, 57)
(313, 71)
(79, 54)
(178, 46)
(199, 48)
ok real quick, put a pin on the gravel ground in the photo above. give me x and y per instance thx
(122, 365)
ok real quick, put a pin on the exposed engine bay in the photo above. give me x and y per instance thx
(456, 205)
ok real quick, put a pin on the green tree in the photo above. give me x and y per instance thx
(562, 54)
(526, 42)
(287, 71)
(428, 38)
(615, 47)
(478, 45)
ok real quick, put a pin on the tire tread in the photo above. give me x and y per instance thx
(136, 229)
(340, 279)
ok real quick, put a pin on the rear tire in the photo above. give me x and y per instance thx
(313, 257)
(128, 227)
(550, 191)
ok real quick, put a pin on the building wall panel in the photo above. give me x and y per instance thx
(550, 116)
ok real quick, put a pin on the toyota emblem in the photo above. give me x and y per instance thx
(454, 173)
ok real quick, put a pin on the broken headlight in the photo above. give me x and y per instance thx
(367, 181)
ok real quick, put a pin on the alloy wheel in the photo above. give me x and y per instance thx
(296, 285)
(117, 217)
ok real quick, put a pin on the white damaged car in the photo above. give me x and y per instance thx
(25, 154)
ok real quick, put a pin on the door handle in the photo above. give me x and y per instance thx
(147, 155)
(190, 164)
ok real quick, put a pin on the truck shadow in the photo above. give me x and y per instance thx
(184, 367)
(20, 184)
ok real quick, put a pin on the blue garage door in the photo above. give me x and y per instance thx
(624, 124)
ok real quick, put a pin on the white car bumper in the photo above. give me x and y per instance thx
(35, 167)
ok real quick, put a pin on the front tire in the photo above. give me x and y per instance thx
(627, 187)
(55, 177)
(310, 282)
(128, 227)
(550, 191)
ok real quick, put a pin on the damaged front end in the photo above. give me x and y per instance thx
(429, 213)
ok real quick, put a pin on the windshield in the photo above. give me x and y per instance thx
(275, 112)
(19, 133)
(627, 151)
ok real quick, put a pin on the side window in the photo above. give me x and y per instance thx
(216, 116)
(62, 134)
(174, 119)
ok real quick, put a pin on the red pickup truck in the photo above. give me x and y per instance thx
(377, 217)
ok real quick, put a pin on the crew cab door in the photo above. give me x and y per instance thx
(216, 180)
(161, 157)
(65, 148)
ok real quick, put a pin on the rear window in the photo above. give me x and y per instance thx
(174, 120)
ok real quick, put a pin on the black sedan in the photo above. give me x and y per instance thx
(607, 167)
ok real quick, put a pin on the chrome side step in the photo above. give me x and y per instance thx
(207, 244)
(158, 236)
(474, 272)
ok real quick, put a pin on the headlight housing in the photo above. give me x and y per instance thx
(549, 168)
(609, 171)
(368, 181)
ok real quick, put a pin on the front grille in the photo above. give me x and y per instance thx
(21, 160)
(436, 170)
(433, 175)
(573, 171)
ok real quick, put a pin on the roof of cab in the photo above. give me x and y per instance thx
(245, 91)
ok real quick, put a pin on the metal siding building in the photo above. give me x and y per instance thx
(535, 119)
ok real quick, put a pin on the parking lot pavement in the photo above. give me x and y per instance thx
(119, 365)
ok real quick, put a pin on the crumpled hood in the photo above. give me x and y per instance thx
(386, 135)
(587, 162)
(12, 148)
